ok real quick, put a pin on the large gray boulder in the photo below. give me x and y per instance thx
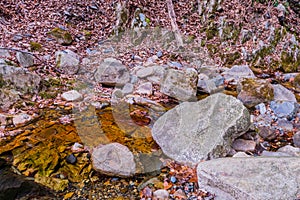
(193, 131)
(112, 72)
(67, 61)
(180, 84)
(257, 178)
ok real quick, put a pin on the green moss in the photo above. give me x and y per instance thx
(231, 58)
(34, 46)
(2, 82)
(230, 32)
(62, 36)
(211, 31)
(87, 34)
(212, 48)
(288, 63)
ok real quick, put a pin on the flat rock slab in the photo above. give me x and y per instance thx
(257, 178)
(194, 131)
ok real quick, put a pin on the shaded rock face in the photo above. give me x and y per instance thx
(257, 178)
(112, 72)
(13, 186)
(193, 131)
(113, 159)
(255, 91)
(181, 85)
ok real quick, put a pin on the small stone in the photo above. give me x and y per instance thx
(159, 54)
(127, 88)
(285, 124)
(180, 194)
(144, 72)
(296, 139)
(267, 133)
(173, 179)
(175, 64)
(244, 145)
(262, 108)
(21, 119)
(237, 72)
(3, 120)
(17, 38)
(71, 159)
(161, 195)
(25, 59)
(71, 95)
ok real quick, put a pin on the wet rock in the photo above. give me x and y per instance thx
(112, 72)
(21, 118)
(71, 95)
(160, 195)
(285, 109)
(181, 85)
(250, 178)
(244, 145)
(13, 186)
(254, 91)
(145, 88)
(71, 159)
(25, 59)
(56, 184)
(113, 159)
(274, 154)
(237, 72)
(283, 94)
(296, 139)
(67, 61)
(193, 131)
(61, 36)
(293, 151)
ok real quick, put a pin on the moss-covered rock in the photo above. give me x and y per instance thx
(61, 36)
(254, 91)
(289, 63)
(297, 81)
(34, 46)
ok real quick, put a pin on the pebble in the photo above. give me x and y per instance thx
(173, 179)
(159, 54)
(71, 159)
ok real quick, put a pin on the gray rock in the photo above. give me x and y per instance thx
(240, 155)
(254, 91)
(285, 124)
(158, 74)
(144, 72)
(283, 94)
(145, 88)
(7, 98)
(3, 120)
(209, 85)
(284, 108)
(128, 88)
(112, 72)
(25, 59)
(262, 108)
(244, 145)
(113, 159)
(71, 95)
(237, 72)
(4, 53)
(267, 133)
(21, 118)
(256, 178)
(193, 131)
(20, 79)
(181, 85)
(293, 151)
(296, 139)
(275, 154)
(67, 61)
(161, 194)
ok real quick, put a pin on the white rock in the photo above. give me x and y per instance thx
(161, 195)
(71, 95)
(21, 119)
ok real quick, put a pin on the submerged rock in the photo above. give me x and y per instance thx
(113, 159)
(251, 178)
(193, 131)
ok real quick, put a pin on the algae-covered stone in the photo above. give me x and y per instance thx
(61, 36)
(56, 184)
(254, 91)
(193, 131)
